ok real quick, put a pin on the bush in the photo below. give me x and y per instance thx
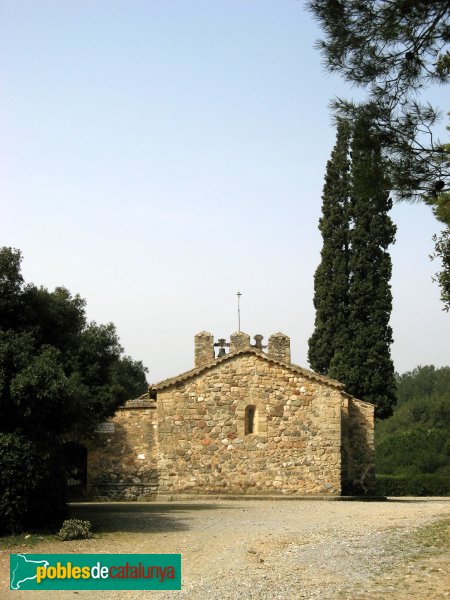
(32, 494)
(416, 449)
(48, 503)
(74, 529)
(19, 478)
(425, 484)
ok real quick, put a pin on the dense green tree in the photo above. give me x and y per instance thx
(416, 439)
(59, 376)
(442, 252)
(11, 282)
(24, 477)
(441, 208)
(394, 49)
(352, 337)
(417, 450)
(331, 277)
(419, 384)
(362, 360)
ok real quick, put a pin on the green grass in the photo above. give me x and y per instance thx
(433, 538)
(429, 540)
(8, 542)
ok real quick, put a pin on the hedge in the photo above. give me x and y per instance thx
(425, 484)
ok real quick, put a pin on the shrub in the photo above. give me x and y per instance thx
(48, 502)
(74, 529)
(32, 486)
(424, 484)
(423, 449)
(20, 476)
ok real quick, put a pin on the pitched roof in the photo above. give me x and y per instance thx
(166, 383)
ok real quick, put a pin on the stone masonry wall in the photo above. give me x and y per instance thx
(123, 465)
(358, 474)
(295, 448)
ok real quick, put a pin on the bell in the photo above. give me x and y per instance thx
(221, 352)
(258, 341)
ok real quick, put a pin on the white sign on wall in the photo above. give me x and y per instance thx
(105, 428)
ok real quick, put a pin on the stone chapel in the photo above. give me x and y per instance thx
(246, 422)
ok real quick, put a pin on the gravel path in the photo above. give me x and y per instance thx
(263, 549)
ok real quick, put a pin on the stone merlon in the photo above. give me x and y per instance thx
(239, 341)
(280, 347)
(204, 348)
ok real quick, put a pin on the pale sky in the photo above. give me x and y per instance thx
(157, 156)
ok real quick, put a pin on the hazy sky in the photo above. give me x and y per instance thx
(158, 156)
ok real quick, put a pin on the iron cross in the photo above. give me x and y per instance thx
(239, 310)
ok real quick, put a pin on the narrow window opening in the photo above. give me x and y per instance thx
(250, 423)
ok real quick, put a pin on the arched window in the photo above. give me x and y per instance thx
(250, 420)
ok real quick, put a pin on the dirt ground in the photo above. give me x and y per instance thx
(264, 549)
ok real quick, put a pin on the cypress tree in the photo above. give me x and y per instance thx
(362, 361)
(331, 277)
